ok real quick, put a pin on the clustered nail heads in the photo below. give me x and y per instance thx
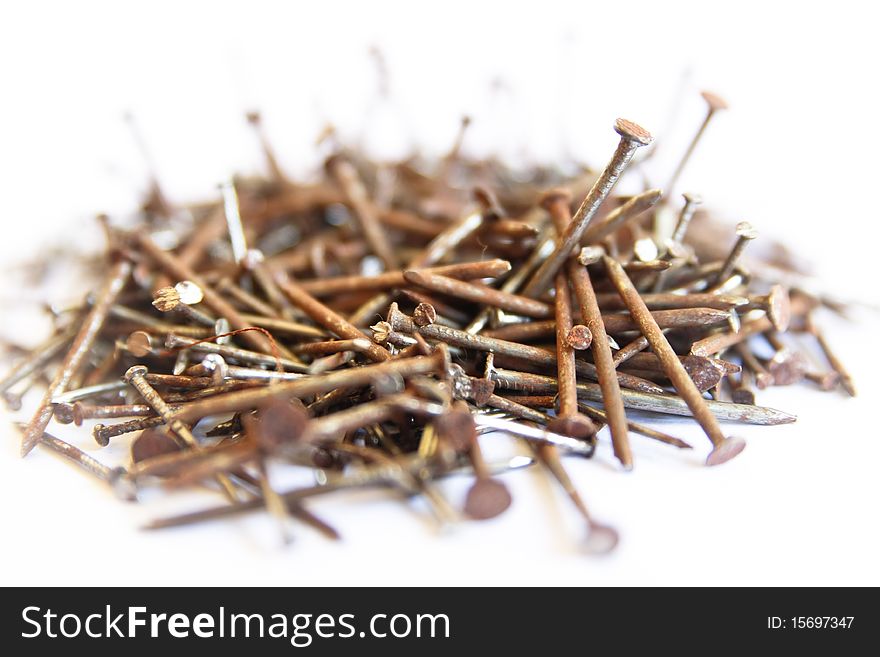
(378, 325)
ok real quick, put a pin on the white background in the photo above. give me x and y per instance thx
(796, 155)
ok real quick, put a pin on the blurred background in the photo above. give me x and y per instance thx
(542, 81)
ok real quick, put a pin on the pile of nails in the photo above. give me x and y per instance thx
(378, 325)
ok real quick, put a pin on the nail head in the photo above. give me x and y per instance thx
(726, 450)
(487, 498)
(714, 101)
(579, 337)
(140, 344)
(135, 371)
(633, 132)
